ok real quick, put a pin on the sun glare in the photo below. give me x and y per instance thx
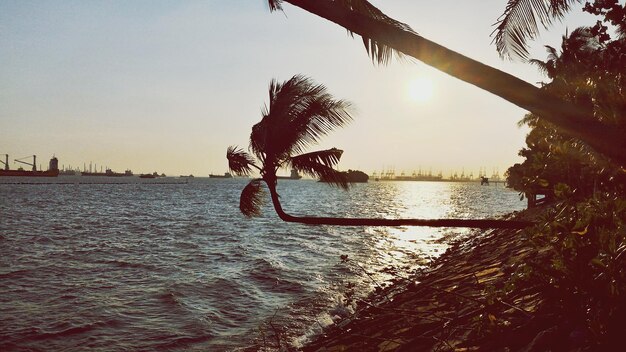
(420, 89)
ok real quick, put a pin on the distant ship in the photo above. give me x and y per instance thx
(294, 176)
(225, 175)
(53, 168)
(152, 175)
(108, 173)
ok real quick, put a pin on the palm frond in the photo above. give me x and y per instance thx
(520, 23)
(528, 119)
(582, 40)
(299, 113)
(576, 48)
(379, 52)
(282, 99)
(318, 118)
(329, 157)
(275, 5)
(252, 199)
(320, 165)
(553, 54)
(239, 161)
(543, 66)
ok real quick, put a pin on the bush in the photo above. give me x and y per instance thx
(582, 269)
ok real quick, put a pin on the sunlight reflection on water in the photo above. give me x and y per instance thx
(177, 267)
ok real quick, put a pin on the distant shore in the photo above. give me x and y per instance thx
(450, 305)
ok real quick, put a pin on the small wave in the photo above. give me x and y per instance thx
(181, 341)
(336, 313)
(17, 274)
(264, 269)
(269, 276)
(128, 264)
(185, 245)
(74, 330)
(223, 288)
(171, 298)
(67, 297)
(44, 240)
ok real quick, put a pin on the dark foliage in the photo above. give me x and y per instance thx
(580, 240)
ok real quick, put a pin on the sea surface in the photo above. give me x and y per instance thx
(125, 264)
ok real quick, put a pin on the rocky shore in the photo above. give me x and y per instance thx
(460, 303)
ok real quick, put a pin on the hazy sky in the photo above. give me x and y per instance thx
(167, 86)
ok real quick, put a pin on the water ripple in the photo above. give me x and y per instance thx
(125, 267)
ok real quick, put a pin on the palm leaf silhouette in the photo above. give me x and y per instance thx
(379, 51)
(320, 165)
(239, 162)
(521, 21)
(300, 112)
(252, 199)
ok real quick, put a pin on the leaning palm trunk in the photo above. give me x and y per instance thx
(571, 119)
(469, 223)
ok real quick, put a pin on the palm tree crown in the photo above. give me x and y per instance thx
(299, 113)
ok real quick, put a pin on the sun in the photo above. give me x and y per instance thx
(420, 89)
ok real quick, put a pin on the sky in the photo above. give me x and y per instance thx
(167, 86)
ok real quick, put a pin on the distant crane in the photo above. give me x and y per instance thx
(6, 161)
(34, 164)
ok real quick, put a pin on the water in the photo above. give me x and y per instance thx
(175, 266)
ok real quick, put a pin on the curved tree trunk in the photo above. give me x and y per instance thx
(470, 223)
(573, 120)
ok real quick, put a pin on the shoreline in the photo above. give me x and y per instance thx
(451, 304)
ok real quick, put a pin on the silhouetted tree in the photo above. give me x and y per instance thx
(383, 35)
(298, 115)
(591, 73)
(584, 229)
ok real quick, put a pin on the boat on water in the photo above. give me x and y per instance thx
(225, 175)
(108, 173)
(294, 176)
(53, 168)
(152, 175)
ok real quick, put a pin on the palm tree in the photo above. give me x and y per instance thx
(383, 36)
(300, 112)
